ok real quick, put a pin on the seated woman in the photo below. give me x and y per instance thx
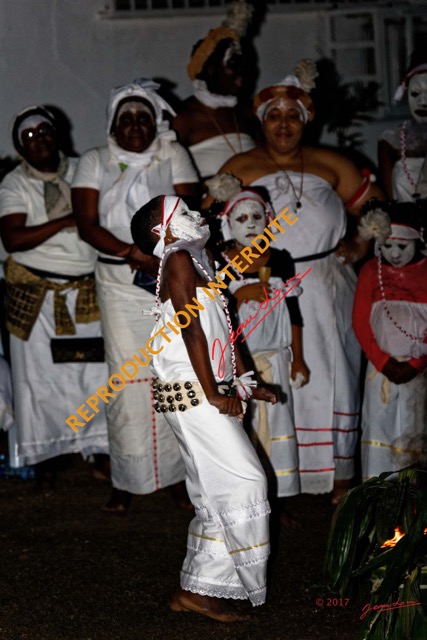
(401, 150)
(50, 298)
(142, 160)
(212, 125)
(390, 321)
(271, 328)
(317, 185)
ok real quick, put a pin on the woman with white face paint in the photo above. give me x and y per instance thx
(317, 185)
(402, 150)
(142, 160)
(390, 321)
(271, 326)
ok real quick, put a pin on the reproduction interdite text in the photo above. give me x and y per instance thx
(181, 320)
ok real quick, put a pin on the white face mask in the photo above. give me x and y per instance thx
(247, 220)
(398, 252)
(417, 97)
(185, 224)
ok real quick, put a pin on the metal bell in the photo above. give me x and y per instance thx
(194, 402)
(178, 396)
(157, 407)
(167, 387)
(170, 399)
(177, 386)
(163, 408)
(188, 385)
(172, 407)
(182, 407)
(161, 397)
(191, 394)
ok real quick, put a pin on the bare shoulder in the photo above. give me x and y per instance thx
(247, 166)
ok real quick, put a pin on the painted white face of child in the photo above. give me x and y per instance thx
(397, 252)
(188, 225)
(417, 97)
(247, 220)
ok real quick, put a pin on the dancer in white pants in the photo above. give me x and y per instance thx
(228, 540)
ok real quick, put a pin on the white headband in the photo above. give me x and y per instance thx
(289, 81)
(169, 206)
(400, 91)
(226, 231)
(403, 232)
(32, 122)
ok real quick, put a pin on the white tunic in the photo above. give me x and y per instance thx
(327, 409)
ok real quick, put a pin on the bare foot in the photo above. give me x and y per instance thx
(215, 608)
(118, 503)
(340, 489)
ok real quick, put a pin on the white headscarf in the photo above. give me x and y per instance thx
(131, 190)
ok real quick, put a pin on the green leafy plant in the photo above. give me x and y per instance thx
(342, 107)
(366, 518)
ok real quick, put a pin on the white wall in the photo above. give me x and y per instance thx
(61, 52)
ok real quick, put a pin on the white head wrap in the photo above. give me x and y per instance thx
(142, 88)
(169, 205)
(288, 81)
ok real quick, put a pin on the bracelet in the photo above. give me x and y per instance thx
(362, 190)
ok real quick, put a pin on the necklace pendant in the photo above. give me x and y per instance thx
(299, 205)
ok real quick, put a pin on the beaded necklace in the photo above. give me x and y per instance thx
(403, 158)
(387, 310)
(222, 298)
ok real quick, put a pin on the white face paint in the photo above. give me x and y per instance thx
(247, 220)
(417, 97)
(188, 225)
(398, 252)
(285, 104)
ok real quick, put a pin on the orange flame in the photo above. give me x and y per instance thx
(398, 534)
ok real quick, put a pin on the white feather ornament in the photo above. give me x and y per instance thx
(239, 17)
(306, 72)
(223, 186)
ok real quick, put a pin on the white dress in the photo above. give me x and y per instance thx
(144, 453)
(228, 540)
(45, 393)
(326, 409)
(269, 345)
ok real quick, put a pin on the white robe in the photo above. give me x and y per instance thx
(326, 409)
(45, 393)
(144, 453)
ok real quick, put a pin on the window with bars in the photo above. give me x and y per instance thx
(133, 8)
